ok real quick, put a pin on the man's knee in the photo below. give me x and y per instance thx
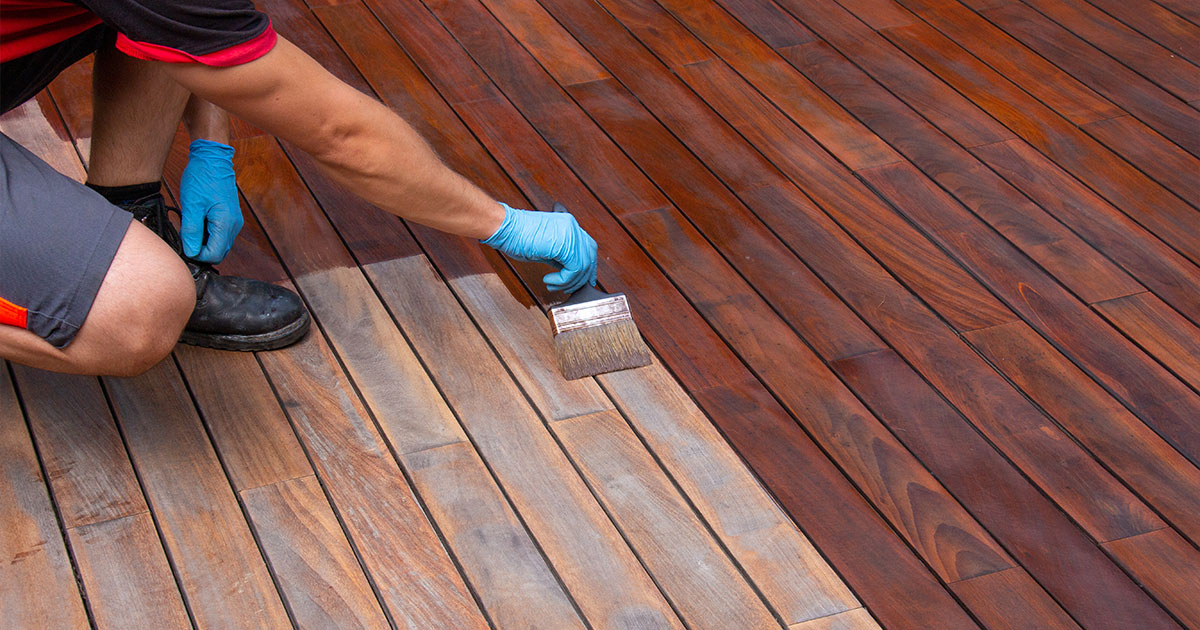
(142, 306)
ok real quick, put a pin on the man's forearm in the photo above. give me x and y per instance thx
(358, 141)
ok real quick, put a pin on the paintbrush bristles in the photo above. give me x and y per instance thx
(599, 349)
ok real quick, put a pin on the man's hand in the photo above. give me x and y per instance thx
(208, 194)
(549, 237)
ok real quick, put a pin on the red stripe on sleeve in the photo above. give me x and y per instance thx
(13, 315)
(232, 56)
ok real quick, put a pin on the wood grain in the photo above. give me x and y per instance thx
(1007, 502)
(126, 575)
(1162, 476)
(403, 557)
(219, 566)
(1168, 567)
(514, 581)
(1159, 398)
(856, 619)
(1161, 331)
(1072, 260)
(248, 427)
(1127, 188)
(316, 569)
(1012, 599)
(676, 547)
(595, 564)
(775, 555)
(1170, 275)
(84, 457)
(32, 552)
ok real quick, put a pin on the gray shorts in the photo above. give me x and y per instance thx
(57, 240)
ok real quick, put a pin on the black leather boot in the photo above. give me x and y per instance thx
(231, 313)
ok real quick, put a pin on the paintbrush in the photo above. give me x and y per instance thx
(594, 333)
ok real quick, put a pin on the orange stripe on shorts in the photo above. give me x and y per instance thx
(13, 315)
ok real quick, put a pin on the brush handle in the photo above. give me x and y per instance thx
(588, 293)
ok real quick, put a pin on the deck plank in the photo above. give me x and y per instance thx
(32, 551)
(1004, 500)
(1158, 329)
(1163, 477)
(221, 570)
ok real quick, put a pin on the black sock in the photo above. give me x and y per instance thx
(118, 195)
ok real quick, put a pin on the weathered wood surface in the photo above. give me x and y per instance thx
(921, 277)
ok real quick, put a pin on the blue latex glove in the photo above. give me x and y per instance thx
(208, 194)
(548, 237)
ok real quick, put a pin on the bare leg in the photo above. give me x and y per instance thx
(135, 320)
(136, 111)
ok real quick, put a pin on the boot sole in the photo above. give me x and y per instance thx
(273, 340)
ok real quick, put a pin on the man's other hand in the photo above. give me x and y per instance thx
(548, 237)
(209, 200)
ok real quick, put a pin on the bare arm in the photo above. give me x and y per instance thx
(358, 141)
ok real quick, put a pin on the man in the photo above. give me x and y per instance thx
(86, 289)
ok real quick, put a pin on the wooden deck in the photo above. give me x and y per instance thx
(922, 277)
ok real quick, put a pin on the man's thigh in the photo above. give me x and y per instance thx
(57, 241)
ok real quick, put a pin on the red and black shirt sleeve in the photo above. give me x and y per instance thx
(211, 32)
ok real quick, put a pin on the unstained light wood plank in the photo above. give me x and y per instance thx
(39, 586)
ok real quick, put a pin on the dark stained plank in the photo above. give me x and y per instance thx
(770, 23)
(126, 575)
(822, 117)
(585, 548)
(1163, 270)
(704, 585)
(903, 250)
(200, 521)
(1007, 502)
(1168, 566)
(1080, 267)
(1158, 157)
(1143, 54)
(1176, 9)
(1161, 25)
(745, 244)
(538, 30)
(516, 586)
(317, 571)
(1154, 394)
(897, 590)
(1127, 188)
(1058, 90)
(961, 375)
(1163, 477)
(950, 111)
(1161, 331)
(32, 552)
(1012, 599)
(1159, 109)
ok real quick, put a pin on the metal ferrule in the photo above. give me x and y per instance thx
(589, 314)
